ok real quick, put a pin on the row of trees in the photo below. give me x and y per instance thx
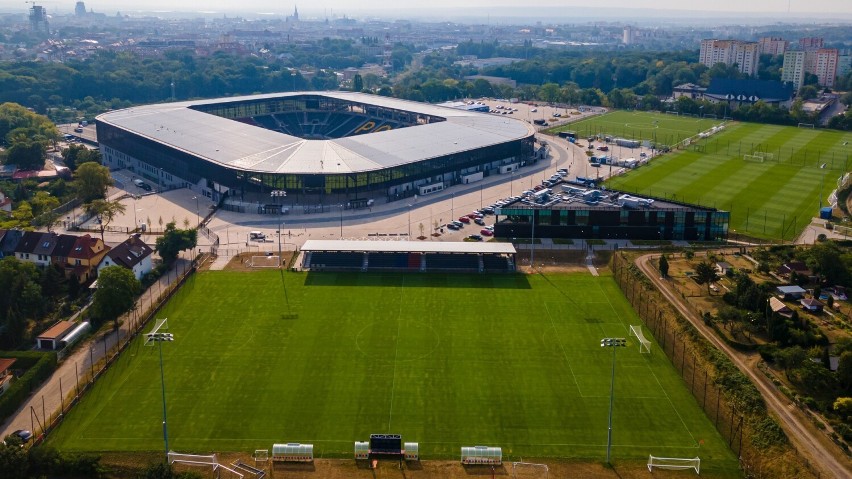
(26, 136)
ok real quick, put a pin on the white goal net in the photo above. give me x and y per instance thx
(644, 343)
(265, 261)
(806, 125)
(674, 463)
(753, 158)
(531, 470)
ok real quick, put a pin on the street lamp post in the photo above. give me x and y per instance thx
(159, 338)
(409, 221)
(341, 221)
(197, 213)
(613, 343)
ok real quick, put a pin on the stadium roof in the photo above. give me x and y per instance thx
(409, 246)
(252, 148)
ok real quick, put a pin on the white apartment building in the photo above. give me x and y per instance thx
(745, 54)
(793, 70)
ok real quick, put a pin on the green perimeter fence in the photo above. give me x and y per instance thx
(724, 415)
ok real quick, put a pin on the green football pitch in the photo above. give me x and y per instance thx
(771, 178)
(663, 129)
(445, 360)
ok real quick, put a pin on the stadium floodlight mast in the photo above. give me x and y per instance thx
(160, 338)
(613, 343)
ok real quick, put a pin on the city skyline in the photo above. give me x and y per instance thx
(433, 7)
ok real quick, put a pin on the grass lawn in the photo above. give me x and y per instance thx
(445, 360)
(774, 199)
(639, 125)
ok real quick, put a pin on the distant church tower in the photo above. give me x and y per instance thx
(80, 9)
(296, 13)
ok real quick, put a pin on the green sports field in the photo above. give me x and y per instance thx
(445, 360)
(661, 128)
(772, 199)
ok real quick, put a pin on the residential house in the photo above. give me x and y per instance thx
(85, 257)
(6, 375)
(9, 240)
(63, 248)
(25, 250)
(778, 307)
(799, 267)
(811, 305)
(790, 292)
(5, 203)
(132, 254)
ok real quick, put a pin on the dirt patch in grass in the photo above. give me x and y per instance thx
(243, 261)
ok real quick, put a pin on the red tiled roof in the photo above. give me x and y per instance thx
(6, 363)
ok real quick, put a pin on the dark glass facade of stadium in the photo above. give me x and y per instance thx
(193, 169)
(687, 224)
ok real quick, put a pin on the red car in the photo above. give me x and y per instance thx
(486, 232)
(603, 148)
(465, 219)
(472, 215)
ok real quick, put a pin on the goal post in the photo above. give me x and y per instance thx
(806, 125)
(753, 158)
(265, 261)
(674, 463)
(644, 343)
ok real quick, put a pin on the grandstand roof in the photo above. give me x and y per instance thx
(409, 246)
(252, 148)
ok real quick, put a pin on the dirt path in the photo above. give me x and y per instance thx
(810, 442)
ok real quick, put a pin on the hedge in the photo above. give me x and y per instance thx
(40, 366)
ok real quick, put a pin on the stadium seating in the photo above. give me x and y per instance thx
(495, 263)
(440, 261)
(329, 260)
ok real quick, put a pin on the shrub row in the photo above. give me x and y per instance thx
(40, 366)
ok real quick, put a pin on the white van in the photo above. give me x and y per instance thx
(257, 235)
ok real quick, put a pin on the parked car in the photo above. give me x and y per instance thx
(479, 221)
(23, 435)
(603, 148)
(453, 226)
(474, 237)
(486, 232)
(488, 210)
(464, 219)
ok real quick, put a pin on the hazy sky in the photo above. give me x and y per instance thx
(317, 7)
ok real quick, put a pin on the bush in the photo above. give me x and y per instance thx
(23, 386)
(767, 352)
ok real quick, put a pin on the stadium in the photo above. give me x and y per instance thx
(319, 147)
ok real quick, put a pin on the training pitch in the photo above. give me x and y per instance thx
(445, 360)
(659, 128)
(770, 178)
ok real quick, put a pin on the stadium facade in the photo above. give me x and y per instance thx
(330, 146)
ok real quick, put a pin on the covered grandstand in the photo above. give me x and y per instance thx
(334, 146)
(410, 256)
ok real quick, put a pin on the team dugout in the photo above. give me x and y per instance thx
(352, 255)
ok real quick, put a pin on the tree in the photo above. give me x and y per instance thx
(790, 358)
(105, 212)
(117, 289)
(13, 459)
(843, 406)
(357, 83)
(664, 266)
(92, 181)
(174, 241)
(76, 155)
(705, 273)
(26, 154)
(844, 371)
(43, 204)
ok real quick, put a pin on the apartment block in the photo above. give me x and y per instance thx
(773, 46)
(793, 70)
(745, 54)
(826, 66)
